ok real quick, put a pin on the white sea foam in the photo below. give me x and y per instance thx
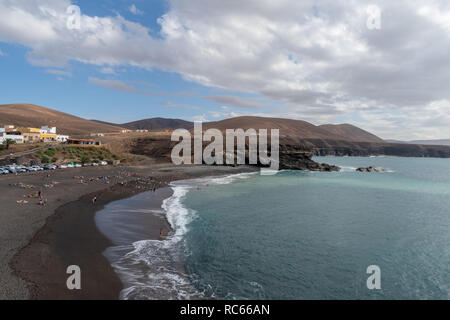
(153, 269)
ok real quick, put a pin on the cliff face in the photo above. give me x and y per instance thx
(295, 157)
(321, 147)
(292, 156)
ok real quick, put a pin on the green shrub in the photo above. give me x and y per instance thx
(50, 152)
(54, 160)
(85, 159)
(45, 159)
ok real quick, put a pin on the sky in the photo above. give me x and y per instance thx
(381, 65)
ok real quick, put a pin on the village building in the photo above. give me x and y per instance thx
(62, 138)
(50, 130)
(30, 135)
(17, 138)
(48, 137)
(83, 141)
(8, 127)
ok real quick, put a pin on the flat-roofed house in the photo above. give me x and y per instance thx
(31, 135)
(82, 141)
(15, 137)
(62, 138)
(46, 129)
(48, 137)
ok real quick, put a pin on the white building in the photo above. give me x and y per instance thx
(46, 129)
(15, 138)
(62, 138)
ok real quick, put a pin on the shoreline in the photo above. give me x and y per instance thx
(70, 235)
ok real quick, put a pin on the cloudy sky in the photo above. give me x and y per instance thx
(381, 65)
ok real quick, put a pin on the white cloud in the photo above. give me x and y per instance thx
(59, 72)
(108, 70)
(246, 103)
(318, 59)
(201, 118)
(114, 84)
(169, 104)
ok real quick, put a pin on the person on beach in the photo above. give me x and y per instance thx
(39, 194)
(160, 233)
(94, 200)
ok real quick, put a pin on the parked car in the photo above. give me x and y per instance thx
(11, 169)
(103, 163)
(64, 166)
(70, 165)
(95, 164)
(50, 167)
(31, 169)
(38, 168)
(4, 171)
(21, 169)
(78, 165)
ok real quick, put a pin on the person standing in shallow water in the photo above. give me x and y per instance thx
(94, 200)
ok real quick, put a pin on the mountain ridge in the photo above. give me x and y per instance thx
(36, 116)
(30, 115)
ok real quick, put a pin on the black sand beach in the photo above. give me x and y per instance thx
(71, 237)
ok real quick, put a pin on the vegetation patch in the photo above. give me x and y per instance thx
(77, 154)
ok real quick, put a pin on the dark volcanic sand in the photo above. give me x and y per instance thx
(70, 237)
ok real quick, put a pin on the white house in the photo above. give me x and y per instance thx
(16, 138)
(46, 129)
(62, 138)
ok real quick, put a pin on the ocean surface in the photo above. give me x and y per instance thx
(294, 235)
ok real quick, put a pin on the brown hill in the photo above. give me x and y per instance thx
(351, 132)
(158, 124)
(297, 129)
(28, 115)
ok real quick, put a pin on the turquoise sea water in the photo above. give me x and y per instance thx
(300, 235)
(312, 235)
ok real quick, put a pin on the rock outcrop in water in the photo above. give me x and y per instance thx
(294, 157)
(370, 169)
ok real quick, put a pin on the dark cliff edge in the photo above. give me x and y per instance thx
(295, 157)
(321, 147)
(292, 156)
(298, 154)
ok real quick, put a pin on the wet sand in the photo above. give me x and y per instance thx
(38, 243)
